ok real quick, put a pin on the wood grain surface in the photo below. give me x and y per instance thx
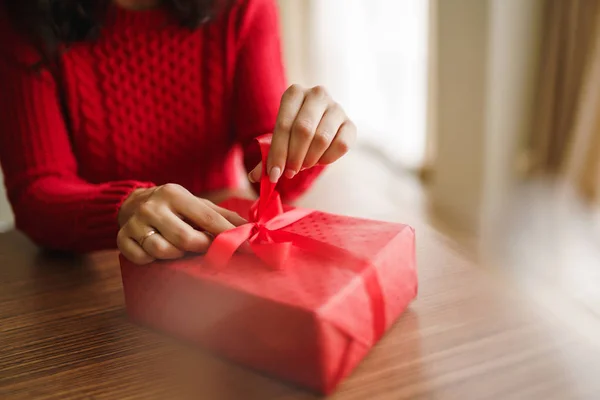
(470, 335)
(64, 334)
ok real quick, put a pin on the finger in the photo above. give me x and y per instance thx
(155, 245)
(180, 234)
(131, 250)
(200, 214)
(177, 236)
(291, 102)
(255, 175)
(188, 207)
(229, 215)
(345, 138)
(304, 128)
(161, 249)
(331, 122)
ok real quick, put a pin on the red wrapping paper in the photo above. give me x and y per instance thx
(306, 304)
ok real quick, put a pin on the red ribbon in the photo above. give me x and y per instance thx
(264, 230)
(271, 243)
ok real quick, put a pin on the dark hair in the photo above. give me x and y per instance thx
(52, 23)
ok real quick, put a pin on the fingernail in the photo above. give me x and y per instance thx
(290, 173)
(254, 175)
(275, 174)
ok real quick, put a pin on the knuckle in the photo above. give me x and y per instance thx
(294, 90)
(337, 109)
(285, 124)
(203, 244)
(183, 239)
(207, 218)
(322, 137)
(127, 231)
(146, 210)
(319, 92)
(342, 146)
(351, 127)
(304, 129)
(157, 248)
(171, 189)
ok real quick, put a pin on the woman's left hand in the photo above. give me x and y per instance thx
(311, 129)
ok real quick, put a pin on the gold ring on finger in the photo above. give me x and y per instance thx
(145, 237)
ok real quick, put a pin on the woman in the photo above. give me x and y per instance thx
(120, 119)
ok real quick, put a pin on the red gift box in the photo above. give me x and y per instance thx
(309, 301)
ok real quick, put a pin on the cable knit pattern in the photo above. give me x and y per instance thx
(149, 103)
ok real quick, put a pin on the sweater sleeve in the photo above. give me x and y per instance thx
(259, 83)
(52, 205)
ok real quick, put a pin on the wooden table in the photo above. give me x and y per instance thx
(64, 335)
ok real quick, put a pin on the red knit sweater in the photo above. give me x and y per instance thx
(149, 103)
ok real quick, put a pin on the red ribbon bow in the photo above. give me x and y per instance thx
(271, 243)
(264, 230)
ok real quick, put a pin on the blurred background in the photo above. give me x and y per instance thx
(479, 117)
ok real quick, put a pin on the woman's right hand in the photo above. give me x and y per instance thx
(166, 211)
